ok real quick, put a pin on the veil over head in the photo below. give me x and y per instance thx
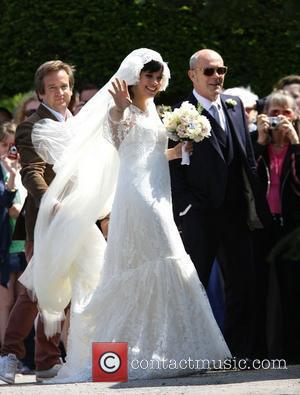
(68, 247)
(132, 65)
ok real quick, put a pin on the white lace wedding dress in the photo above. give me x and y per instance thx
(149, 294)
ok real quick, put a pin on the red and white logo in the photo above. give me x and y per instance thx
(110, 362)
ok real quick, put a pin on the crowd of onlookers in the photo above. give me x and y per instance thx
(274, 125)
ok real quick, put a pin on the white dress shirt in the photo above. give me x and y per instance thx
(57, 114)
(207, 104)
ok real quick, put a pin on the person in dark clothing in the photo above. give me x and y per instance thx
(277, 152)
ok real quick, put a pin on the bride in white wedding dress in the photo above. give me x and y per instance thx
(148, 293)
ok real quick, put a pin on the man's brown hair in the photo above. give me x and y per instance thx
(48, 67)
(287, 80)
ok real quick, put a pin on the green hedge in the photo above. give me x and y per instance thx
(259, 40)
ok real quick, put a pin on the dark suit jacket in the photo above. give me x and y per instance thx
(36, 174)
(203, 183)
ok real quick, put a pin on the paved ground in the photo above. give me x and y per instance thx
(261, 382)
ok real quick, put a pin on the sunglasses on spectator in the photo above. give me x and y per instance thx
(209, 71)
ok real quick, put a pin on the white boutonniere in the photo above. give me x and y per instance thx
(230, 103)
(199, 108)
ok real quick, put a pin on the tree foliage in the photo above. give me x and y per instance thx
(259, 40)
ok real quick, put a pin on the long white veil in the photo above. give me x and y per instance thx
(68, 247)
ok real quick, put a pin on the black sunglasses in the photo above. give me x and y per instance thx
(209, 71)
(29, 112)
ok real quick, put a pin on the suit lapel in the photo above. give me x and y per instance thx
(43, 112)
(213, 139)
(233, 122)
(214, 126)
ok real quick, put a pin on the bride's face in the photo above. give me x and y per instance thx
(148, 85)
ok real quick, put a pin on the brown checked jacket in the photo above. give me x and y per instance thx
(36, 174)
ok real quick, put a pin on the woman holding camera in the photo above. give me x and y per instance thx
(277, 151)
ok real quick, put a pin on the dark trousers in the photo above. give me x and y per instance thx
(282, 310)
(21, 319)
(208, 234)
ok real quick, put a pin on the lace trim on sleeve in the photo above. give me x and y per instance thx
(118, 130)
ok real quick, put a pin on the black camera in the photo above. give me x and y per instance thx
(273, 122)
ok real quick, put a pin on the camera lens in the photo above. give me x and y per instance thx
(13, 150)
(273, 122)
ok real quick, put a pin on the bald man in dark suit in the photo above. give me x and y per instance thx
(217, 199)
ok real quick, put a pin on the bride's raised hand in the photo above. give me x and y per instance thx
(120, 95)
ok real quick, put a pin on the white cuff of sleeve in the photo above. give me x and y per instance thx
(110, 117)
(185, 210)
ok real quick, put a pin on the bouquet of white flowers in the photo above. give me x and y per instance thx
(186, 123)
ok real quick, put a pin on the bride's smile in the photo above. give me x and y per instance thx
(148, 85)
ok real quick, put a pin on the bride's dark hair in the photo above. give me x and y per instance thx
(152, 67)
